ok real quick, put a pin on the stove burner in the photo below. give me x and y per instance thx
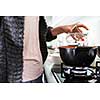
(80, 74)
(73, 74)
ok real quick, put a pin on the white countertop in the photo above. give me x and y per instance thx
(48, 66)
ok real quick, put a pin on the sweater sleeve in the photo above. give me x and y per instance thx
(44, 30)
(49, 36)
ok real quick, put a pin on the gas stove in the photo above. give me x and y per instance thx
(73, 74)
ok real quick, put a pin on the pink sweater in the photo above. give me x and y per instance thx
(32, 54)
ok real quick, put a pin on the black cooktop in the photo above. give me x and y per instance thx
(68, 74)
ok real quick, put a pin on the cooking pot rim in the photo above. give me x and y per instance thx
(74, 46)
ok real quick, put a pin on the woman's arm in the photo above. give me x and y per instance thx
(74, 28)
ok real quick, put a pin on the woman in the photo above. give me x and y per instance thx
(23, 47)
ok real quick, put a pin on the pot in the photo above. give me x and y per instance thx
(78, 55)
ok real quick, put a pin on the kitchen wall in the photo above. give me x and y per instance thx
(93, 23)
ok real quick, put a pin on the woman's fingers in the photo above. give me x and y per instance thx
(75, 31)
(79, 30)
(74, 37)
(79, 36)
(82, 25)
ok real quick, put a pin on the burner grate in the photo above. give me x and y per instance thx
(72, 74)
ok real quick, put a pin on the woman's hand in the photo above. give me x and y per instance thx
(74, 30)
